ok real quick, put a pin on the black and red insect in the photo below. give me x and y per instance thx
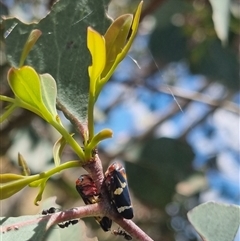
(88, 191)
(116, 183)
(120, 232)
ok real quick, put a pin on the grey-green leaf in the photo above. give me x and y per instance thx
(29, 228)
(215, 221)
(62, 50)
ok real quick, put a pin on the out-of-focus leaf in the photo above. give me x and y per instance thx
(162, 164)
(192, 185)
(31, 228)
(218, 63)
(215, 221)
(221, 15)
(62, 49)
(168, 44)
(23, 228)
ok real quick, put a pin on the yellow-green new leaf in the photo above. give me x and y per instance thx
(57, 150)
(25, 84)
(129, 40)
(96, 46)
(134, 29)
(49, 92)
(39, 196)
(116, 38)
(9, 177)
(14, 184)
(102, 135)
(32, 39)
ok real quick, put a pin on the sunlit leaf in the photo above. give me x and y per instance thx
(96, 45)
(123, 53)
(25, 84)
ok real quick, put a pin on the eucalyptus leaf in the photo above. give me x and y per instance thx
(23, 228)
(215, 221)
(62, 49)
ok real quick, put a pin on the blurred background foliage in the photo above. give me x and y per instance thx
(173, 105)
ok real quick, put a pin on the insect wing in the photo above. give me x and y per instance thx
(88, 191)
(116, 183)
(104, 222)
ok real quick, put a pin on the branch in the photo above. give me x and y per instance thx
(200, 97)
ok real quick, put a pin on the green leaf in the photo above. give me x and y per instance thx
(9, 177)
(33, 92)
(32, 39)
(132, 33)
(25, 84)
(116, 38)
(215, 221)
(49, 92)
(40, 193)
(62, 49)
(221, 17)
(14, 183)
(57, 150)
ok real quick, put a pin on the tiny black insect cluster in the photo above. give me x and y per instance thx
(120, 232)
(61, 225)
